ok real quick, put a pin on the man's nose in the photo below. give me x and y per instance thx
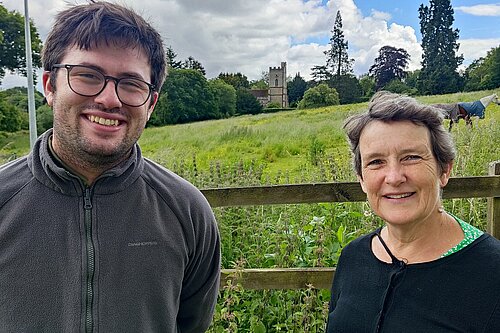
(109, 96)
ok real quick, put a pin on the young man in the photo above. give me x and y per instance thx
(94, 237)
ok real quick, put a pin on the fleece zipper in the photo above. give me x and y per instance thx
(90, 251)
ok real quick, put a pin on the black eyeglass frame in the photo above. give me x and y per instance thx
(107, 78)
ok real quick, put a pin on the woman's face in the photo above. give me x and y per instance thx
(399, 173)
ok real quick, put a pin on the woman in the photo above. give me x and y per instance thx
(425, 270)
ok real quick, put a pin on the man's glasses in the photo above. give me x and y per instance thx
(87, 81)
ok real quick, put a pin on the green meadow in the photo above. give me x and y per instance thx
(289, 147)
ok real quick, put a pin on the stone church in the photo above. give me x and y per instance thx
(277, 90)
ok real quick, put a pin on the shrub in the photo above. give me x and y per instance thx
(398, 87)
(44, 118)
(319, 96)
(273, 105)
(11, 119)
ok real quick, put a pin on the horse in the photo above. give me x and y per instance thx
(466, 110)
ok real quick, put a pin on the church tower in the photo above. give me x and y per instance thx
(277, 85)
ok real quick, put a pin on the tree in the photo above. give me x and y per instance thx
(225, 98)
(161, 115)
(320, 74)
(10, 117)
(367, 84)
(389, 65)
(188, 97)
(44, 118)
(171, 55)
(246, 103)
(411, 79)
(348, 88)
(399, 87)
(259, 84)
(338, 60)
(484, 73)
(18, 96)
(237, 80)
(12, 44)
(492, 62)
(189, 63)
(318, 96)
(192, 63)
(439, 44)
(262, 83)
(296, 89)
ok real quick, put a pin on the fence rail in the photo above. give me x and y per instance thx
(321, 278)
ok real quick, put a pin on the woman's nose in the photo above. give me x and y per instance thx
(395, 174)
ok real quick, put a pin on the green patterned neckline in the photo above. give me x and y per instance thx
(470, 234)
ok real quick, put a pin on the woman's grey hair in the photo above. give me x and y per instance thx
(388, 107)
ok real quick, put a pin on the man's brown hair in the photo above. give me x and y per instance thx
(88, 25)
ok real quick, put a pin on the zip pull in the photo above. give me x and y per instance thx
(86, 198)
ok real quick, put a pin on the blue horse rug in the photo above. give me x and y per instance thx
(473, 108)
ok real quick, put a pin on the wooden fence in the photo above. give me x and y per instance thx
(321, 278)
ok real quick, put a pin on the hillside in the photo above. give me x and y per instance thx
(288, 146)
(289, 143)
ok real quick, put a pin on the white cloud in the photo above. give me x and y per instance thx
(481, 10)
(251, 36)
(476, 48)
(378, 15)
(366, 35)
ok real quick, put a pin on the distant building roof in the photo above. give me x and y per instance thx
(262, 93)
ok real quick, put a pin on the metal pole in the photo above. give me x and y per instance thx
(29, 70)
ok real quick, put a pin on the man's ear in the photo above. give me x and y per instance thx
(48, 88)
(154, 100)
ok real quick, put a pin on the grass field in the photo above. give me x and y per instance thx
(289, 147)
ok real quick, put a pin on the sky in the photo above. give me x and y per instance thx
(249, 36)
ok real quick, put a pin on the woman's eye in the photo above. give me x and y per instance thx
(412, 157)
(374, 162)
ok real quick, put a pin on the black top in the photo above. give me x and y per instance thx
(457, 293)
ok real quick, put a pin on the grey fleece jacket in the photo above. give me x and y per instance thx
(138, 251)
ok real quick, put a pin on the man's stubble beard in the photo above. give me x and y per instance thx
(76, 149)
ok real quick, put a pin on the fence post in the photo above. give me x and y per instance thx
(493, 226)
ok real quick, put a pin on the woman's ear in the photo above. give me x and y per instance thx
(445, 174)
(361, 182)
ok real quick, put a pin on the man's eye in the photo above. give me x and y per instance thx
(133, 85)
(87, 76)
(412, 157)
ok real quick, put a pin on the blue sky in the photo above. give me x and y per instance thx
(470, 26)
(249, 36)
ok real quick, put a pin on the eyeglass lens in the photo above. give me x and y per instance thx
(90, 82)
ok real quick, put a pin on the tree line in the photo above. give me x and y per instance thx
(188, 95)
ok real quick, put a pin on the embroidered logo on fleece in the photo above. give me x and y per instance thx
(149, 243)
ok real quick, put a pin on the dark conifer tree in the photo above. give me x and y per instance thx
(192, 63)
(439, 44)
(171, 55)
(338, 60)
(320, 74)
(296, 89)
